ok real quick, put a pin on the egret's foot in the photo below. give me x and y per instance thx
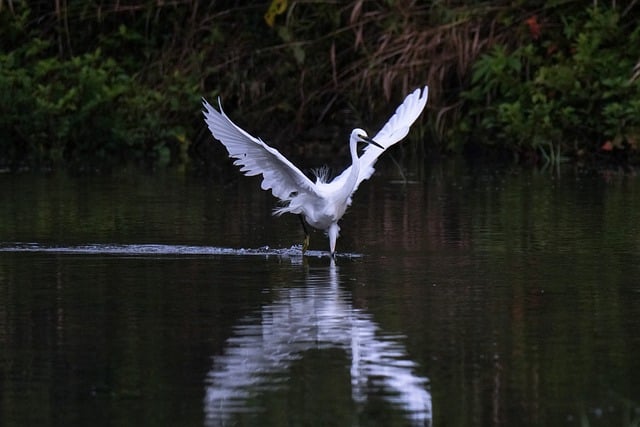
(305, 244)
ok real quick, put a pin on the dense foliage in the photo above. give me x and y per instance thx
(94, 85)
(572, 90)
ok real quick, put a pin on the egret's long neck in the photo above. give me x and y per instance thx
(344, 193)
(355, 166)
(353, 149)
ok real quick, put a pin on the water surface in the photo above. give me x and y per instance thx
(467, 298)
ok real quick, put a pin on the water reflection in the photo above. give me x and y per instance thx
(316, 316)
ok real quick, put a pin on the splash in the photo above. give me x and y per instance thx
(163, 250)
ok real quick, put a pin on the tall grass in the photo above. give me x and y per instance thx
(322, 68)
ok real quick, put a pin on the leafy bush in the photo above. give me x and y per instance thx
(85, 111)
(569, 94)
(93, 85)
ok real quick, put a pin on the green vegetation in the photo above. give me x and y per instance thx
(571, 90)
(95, 85)
(88, 110)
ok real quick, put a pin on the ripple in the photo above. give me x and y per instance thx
(160, 250)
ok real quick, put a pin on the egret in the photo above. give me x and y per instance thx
(322, 203)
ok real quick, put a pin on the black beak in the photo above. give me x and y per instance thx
(371, 141)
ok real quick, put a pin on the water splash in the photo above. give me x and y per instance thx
(164, 250)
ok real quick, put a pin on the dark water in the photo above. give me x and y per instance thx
(492, 298)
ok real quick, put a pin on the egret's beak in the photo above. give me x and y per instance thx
(369, 140)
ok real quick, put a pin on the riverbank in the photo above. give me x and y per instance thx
(92, 87)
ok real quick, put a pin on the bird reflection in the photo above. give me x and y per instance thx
(316, 316)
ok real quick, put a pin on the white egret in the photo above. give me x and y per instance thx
(320, 204)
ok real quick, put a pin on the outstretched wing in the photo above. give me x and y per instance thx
(393, 131)
(255, 157)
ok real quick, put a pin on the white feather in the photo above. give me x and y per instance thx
(321, 203)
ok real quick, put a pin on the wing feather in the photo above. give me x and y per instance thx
(396, 128)
(255, 157)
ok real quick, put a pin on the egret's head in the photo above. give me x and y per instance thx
(361, 135)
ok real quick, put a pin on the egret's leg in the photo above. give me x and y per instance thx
(305, 243)
(333, 232)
